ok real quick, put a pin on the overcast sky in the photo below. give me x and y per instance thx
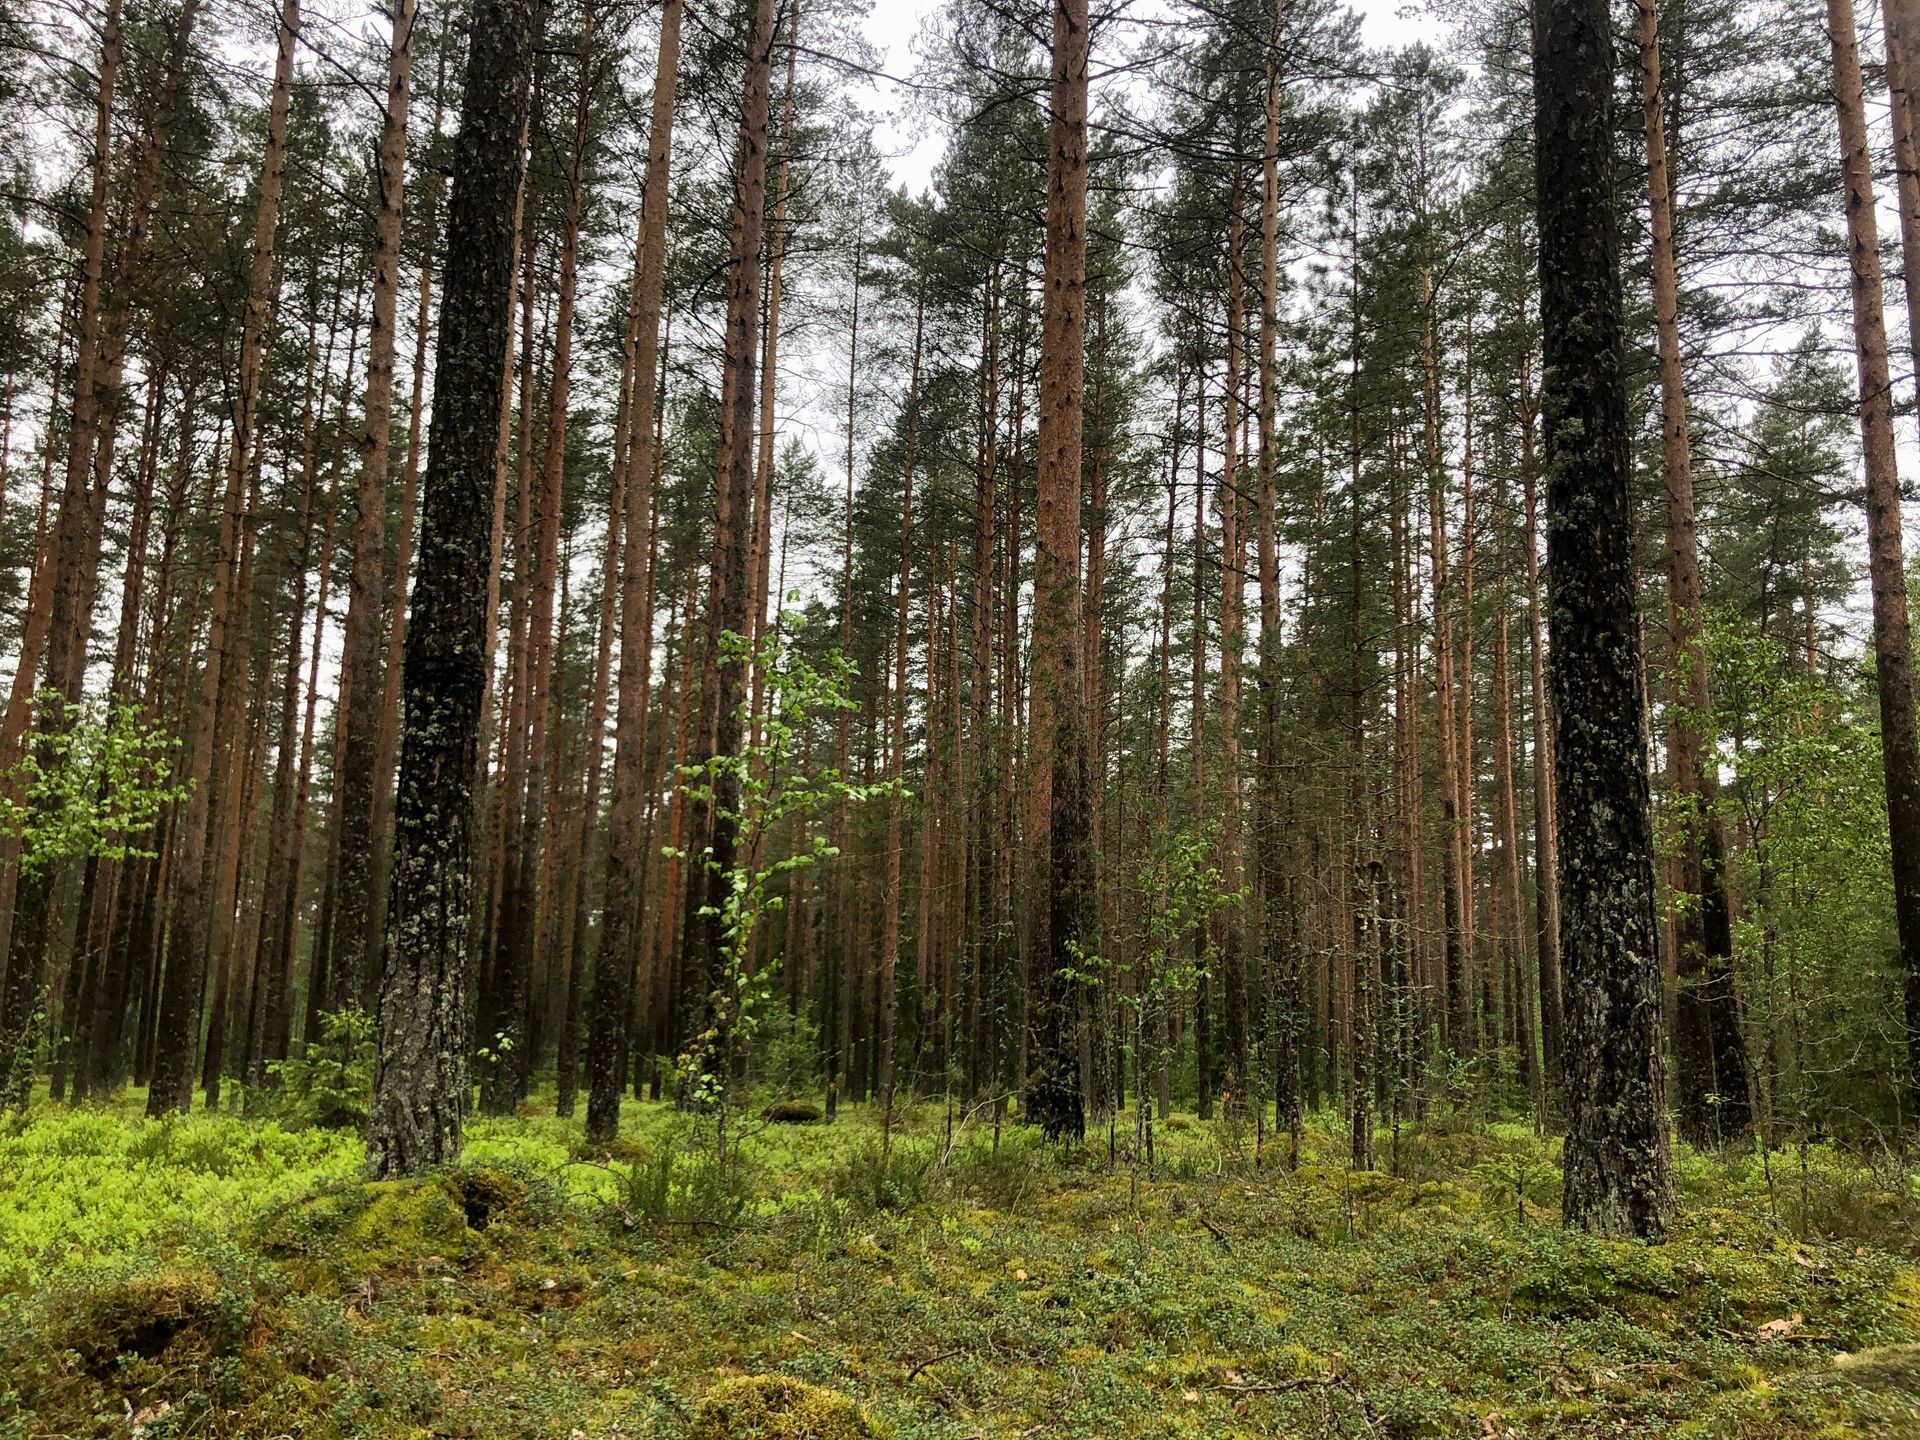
(892, 24)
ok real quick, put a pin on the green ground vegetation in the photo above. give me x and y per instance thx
(221, 1276)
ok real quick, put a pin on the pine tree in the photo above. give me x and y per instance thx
(420, 1080)
(1616, 1162)
(1056, 725)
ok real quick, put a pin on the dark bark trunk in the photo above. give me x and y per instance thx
(1616, 1159)
(420, 1079)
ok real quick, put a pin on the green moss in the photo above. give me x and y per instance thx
(352, 1231)
(1025, 1291)
(1905, 1293)
(487, 1194)
(778, 1407)
(618, 1148)
(171, 1315)
(1892, 1368)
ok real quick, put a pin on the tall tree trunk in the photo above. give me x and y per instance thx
(96, 968)
(1616, 1161)
(760, 557)
(1511, 943)
(1546, 845)
(507, 1079)
(1886, 559)
(626, 858)
(1233, 572)
(499, 855)
(833, 1030)
(1487, 1032)
(1457, 1013)
(587, 820)
(1204, 1076)
(420, 1078)
(281, 908)
(54, 594)
(357, 913)
(714, 827)
(1902, 26)
(1057, 729)
(1280, 963)
(188, 925)
(387, 743)
(320, 998)
(1709, 1054)
(897, 744)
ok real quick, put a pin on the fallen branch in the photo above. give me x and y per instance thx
(1307, 1382)
(924, 1365)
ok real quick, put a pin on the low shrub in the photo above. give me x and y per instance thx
(778, 1407)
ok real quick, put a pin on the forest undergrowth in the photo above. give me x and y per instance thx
(215, 1275)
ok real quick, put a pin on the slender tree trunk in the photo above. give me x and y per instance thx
(1233, 570)
(1546, 861)
(96, 970)
(281, 907)
(1457, 1012)
(188, 934)
(356, 941)
(517, 961)
(1709, 1054)
(320, 1000)
(833, 1028)
(1204, 1076)
(1902, 26)
(387, 743)
(897, 744)
(761, 556)
(500, 858)
(1281, 964)
(54, 594)
(567, 1057)
(1886, 560)
(714, 827)
(1511, 941)
(1057, 728)
(626, 858)
(1487, 1033)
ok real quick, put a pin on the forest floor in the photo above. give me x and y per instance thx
(216, 1276)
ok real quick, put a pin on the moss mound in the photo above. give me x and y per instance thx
(793, 1112)
(384, 1225)
(179, 1317)
(619, 1148)
(778, 1407)
(487, 1194)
